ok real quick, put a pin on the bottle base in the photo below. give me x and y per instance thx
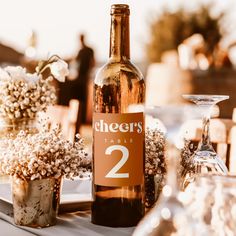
(117, 212)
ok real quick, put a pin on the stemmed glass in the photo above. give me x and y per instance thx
(205, 159)
(168, 216)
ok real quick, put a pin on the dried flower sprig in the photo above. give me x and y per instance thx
(23, 94)
(155, 164)
(42, 155)
(186, 166)
(154, 152)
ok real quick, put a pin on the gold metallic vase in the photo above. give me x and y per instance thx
(36, 202)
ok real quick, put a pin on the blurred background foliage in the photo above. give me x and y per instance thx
(170, 29)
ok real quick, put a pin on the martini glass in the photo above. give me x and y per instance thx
(205, 160)
(169, 217)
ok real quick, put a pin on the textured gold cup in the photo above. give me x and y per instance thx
(36, 202)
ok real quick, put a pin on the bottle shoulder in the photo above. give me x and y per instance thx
(112, 71)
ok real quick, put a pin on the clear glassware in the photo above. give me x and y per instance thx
(205, 159)
(169, 217)
(224, 209)
(211, 201)
(199, 200)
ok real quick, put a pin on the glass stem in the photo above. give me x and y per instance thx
(205, 143)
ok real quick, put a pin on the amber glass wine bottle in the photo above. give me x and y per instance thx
(118, 145)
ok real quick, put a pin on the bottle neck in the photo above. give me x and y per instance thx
(119, 38)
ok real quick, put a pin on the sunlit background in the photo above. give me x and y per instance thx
(182, 47)
(57, 23)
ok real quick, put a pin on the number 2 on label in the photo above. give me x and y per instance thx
(125, 155)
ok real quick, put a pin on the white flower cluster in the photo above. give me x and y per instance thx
(42, 155)
(59, 70)
(58, 67)
(22, 94)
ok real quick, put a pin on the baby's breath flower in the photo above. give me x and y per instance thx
(154, 151)
(155, 165)
(186, 164)
(42, 155)
(22, 94)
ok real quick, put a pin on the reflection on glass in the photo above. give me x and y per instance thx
(205, 159)
(199, 199)
(224, 209)
(211, 202)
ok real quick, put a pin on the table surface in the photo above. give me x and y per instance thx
(68, 224)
